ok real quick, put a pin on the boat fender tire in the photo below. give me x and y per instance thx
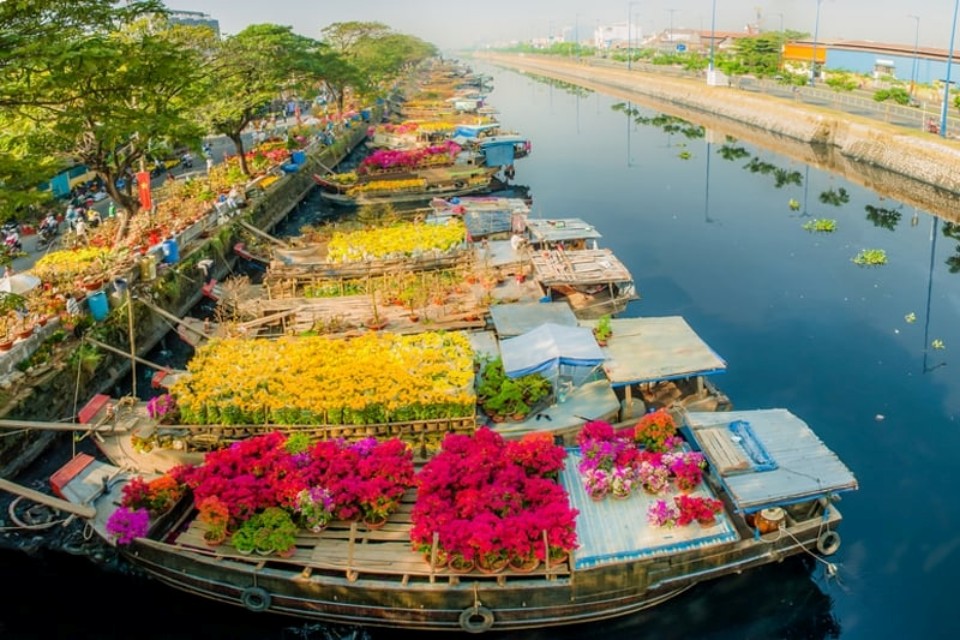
(476, 619)
(828, 543)
(255, 599)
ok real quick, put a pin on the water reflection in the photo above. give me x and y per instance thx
(883, 217)
(728, 609)
(566, 87)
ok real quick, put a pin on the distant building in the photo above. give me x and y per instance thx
(194, 19)
(882, 61)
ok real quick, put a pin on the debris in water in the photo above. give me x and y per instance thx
(910, 317)
(879, 417)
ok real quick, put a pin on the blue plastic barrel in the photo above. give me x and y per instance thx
(365, 114)
(171, 251)
(298, 157)
(98, 305)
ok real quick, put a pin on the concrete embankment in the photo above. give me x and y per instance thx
(914, 167)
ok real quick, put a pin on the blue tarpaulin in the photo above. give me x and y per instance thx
(547, 347)
(498, 154)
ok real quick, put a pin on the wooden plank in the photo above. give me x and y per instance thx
(722, 451)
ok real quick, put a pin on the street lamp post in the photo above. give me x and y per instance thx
(576, 35)
(713, 30)
(813, 59)
(946, 84)
(916, 44)
(670, 32)
(630, 34)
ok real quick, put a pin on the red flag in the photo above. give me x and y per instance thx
(143, 186)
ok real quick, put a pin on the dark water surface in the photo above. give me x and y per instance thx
(708, 234)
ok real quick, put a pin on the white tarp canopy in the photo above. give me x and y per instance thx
(549, 346)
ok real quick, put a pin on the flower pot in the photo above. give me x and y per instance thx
(6, 344)
(459, 564)
(707, 522)
(492, 565)
(524, 565)
(373, 524)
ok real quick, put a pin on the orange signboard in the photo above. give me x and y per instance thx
(804, 52)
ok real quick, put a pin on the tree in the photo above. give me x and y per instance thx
(35, 36)
(250, 70)
(112, 96)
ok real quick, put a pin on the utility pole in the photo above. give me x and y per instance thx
(630, 34)
(916, 43)
(813, 59)
(946, 84)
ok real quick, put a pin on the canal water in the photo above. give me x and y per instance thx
(713, 229)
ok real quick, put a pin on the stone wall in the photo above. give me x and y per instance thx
(914, 167)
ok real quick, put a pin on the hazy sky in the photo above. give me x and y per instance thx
(450, 24)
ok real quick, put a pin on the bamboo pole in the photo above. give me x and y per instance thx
(263, 234)
(83, 511)
(107, 347)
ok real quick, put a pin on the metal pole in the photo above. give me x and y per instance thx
(670, 32)
(916, 43)
(946, 84)
(630, 34)
(813, 59)
(713, 29)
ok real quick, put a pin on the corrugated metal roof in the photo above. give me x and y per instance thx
(520, 317)
(560, 230)
(653, 349)
(615, 530)
(805, 467)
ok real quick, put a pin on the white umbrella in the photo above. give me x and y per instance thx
(19, 283)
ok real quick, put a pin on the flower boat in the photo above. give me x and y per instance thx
(437, 562)
(418, 186)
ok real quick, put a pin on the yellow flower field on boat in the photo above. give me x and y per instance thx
(411, 184)
(372, 379)
(402, 240)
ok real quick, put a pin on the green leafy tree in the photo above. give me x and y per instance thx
(251, 69)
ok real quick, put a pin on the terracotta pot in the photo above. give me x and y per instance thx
(6, 345)
(374, 525)
(458, 564)
(492, 566)
(524, 565)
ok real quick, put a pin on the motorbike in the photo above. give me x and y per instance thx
(186, 161)
(12, 242)
(46, 235)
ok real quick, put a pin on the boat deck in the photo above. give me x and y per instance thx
(357, 552)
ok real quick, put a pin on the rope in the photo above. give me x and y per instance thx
(831, 568)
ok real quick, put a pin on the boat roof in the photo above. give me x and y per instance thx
(520, 317)
(768, 457)
(560, 229)
(615, 531)
(581, 267)
(655, 349)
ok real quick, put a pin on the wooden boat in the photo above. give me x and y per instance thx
(594, 281)
(423, 185)
(350, 574)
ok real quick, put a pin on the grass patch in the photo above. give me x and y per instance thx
(821, 225)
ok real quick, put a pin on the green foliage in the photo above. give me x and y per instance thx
(821, 225)
(842, 81)
(603, 330)
(870, 258)
(897, 94)
(835, 198)
(883, 217)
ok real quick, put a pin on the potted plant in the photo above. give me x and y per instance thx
(315, 508)
(662, 514)
(603, 330)
(697, 508)
(274, 531)
(215, 515)
(126, 524)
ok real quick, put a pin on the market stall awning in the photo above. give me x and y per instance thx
(548, 346)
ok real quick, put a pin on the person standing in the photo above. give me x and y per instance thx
(80, 226)
(209, 163)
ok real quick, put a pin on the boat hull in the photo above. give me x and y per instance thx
(473, 603)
